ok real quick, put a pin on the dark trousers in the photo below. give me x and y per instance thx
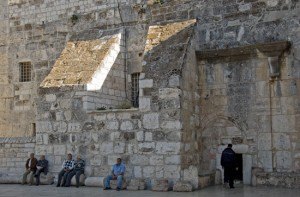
(229, 175)
(75, 173)
(37, 175)
(62, 176)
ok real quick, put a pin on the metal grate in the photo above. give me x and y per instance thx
(25, 71)
(135, 89)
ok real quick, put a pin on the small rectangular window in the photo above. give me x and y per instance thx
(25, 71)
(135, 89)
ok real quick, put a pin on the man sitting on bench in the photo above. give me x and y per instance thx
(42, 166)
(117, 173)
(77, 171)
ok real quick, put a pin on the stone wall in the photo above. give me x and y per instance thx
(13, 155)
(189, 109)
(241, 103)
(140, 139)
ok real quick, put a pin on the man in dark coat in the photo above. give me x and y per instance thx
(42, 166)
(228, 164)
(30, 169)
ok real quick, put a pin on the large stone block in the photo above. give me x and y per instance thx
(281, 141)
(172, 172)
(182, 187)
(136, 184)
(94, 181)
(112, 125)
(126, 126)
(81, 180)
(151, 121)
(160, 185)
(59, 149)
(264, 141)
(44, 179)
(169, 93)
(146, 83)
(145, 104)
(168, 147)
(171, 125)
(283, 161)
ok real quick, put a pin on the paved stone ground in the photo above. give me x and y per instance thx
(217, 191)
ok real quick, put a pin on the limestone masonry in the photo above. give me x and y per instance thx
(163, 84)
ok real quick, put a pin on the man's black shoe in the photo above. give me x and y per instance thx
(57, 185)
(118, 189)
(107, 188)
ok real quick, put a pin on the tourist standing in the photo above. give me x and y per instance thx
(228, 164)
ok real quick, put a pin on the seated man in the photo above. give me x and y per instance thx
(42, 166)
(78, 170)
(30, 169)
(117, 173)
(67, 166)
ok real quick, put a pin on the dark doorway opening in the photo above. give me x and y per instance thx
(239, 165)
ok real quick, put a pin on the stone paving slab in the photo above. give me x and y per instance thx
(216, 191)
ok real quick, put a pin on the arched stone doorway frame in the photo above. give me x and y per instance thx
(240, 148)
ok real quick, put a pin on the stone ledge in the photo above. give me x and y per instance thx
(112, 111)
(278, 179)
(17, 140)
(269, 49)
(17, 179)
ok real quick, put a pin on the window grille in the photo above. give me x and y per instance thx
(135, 89)
(25, 71)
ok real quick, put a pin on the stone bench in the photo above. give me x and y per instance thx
(94, 182)
(99, 182)
(113, 184)
(44, 179)
(136, 184)
(10, 179)
(17, 179)
(81, 180)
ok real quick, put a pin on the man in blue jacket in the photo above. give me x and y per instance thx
(228, 164)
(117, 173)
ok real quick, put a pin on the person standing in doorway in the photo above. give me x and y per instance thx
(228, 164)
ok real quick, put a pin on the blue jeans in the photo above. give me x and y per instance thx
(110, 177)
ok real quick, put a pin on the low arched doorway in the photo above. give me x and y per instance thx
(215, 137)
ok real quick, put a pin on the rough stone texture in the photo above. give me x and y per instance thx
(192, 103)
(136, 184)
(81, 180)
(161, 185)
(182, 187)
(113, 184)
(44, 179)
(94, 182)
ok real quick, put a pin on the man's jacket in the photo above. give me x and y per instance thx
(32, 165)
(228, 158)
(44, 164)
